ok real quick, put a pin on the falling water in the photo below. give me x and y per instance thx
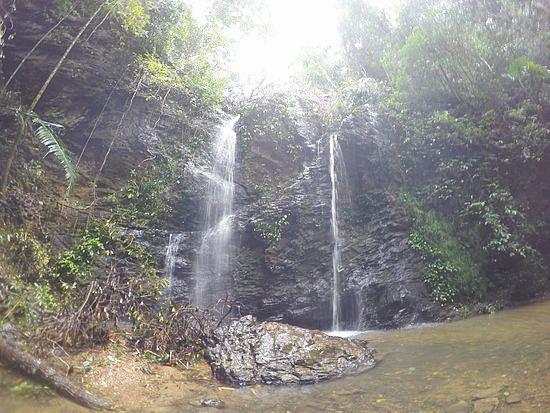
(213, 259)
(337, 178)
(170, 257)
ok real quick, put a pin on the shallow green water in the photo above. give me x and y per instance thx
(423, 369)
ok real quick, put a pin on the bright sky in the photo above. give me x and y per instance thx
(297, 26)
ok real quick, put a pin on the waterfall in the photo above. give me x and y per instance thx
(170, 257)
(213, 259)
(337, 179)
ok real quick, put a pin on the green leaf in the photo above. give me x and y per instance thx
(522, 67)
(44, 132)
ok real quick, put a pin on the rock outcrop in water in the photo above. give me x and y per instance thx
(246, 352)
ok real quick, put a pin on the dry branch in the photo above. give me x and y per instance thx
(13, 357)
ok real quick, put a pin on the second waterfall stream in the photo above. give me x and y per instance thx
(337, 180)
(213, 263)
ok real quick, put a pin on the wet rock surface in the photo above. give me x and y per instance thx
(290, 279)
(486, 405)
(246, 352)
(459, 407)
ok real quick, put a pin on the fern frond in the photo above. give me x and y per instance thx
(44, 132)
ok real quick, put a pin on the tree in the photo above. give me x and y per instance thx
(365, 34)
(43, 132)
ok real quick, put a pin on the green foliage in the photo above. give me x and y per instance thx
(29, 390)
(489, 309)
(173, 52)
(75, 265)
(47, 137)
(43, 131)
(270, 118)
(28, 253)
(465, 116)
(363, 43)
(271, 224)
(133, 15)
(452, 272)
(27, 296)
(502, 220)
(196, 81)
(6, 24)
(523, 68)
(457, 53)
(104, 276)
(352, 96)
(142, 201)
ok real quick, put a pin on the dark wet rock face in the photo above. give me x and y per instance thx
(246, 352)
(282, 243)
(289, 278)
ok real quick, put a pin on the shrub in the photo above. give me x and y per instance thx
(451, 271)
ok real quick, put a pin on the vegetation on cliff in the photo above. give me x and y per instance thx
(462, 89)
(72, 283)
(124, 93)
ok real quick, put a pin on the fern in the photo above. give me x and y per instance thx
(44, 132)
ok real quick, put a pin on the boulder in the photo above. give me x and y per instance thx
(246, 352)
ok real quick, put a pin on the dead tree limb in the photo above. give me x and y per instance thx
(13, 357)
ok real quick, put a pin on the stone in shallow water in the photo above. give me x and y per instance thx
(246, 352)
(513, 399)
(485, 405)
(460, 407)
(485, 394)
(215, 403)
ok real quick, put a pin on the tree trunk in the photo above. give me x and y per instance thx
(20, 136)
(62, 60)
(38, 43)
(13, 357)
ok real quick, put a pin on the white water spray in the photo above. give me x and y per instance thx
(214, 256)
(171, 256)
(337, 178)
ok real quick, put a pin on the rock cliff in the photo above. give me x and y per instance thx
(282, 242)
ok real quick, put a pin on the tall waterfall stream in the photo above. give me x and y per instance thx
(213, 259)
(171, 256)
(337, 179)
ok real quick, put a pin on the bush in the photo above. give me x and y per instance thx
(451, 271)
(142, 201)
